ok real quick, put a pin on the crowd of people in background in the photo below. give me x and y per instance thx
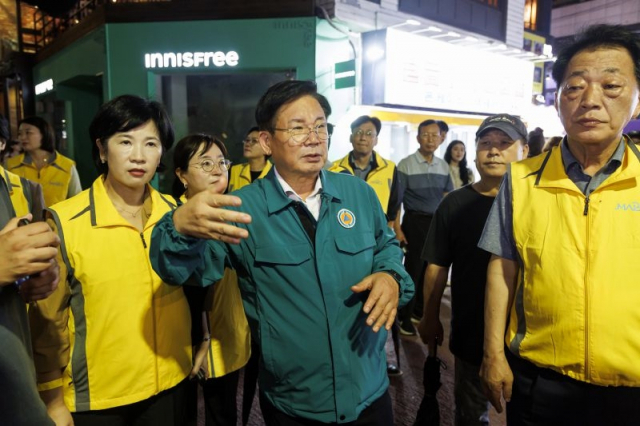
(295, 268)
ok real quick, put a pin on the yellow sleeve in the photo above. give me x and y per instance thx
(48, 319)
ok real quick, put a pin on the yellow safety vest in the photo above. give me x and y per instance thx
(380, 177)
(576, 303)
(54, 177)
(230, 344)
(19, 192)
(240, 175)
(129, 331)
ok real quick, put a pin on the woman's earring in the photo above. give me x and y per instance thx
(185, 185)
(102, 160)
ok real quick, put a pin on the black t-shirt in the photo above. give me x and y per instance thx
(453, 240)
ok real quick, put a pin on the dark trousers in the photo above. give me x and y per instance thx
(380, 413)
(415, 227)
(251, 371)
(543, 397)
(220, 400)
(165, 409)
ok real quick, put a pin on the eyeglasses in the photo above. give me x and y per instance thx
(300, 134)
(207, 166)
(250, 141)
(429, 135)
(359, 133)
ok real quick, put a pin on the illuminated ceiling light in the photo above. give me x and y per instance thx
(374, 53)
(449, 34)
(411, 22)
(429, 29)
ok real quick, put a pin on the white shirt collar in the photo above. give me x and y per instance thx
(313, 200)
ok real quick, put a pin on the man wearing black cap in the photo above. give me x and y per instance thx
(452, 242)
(369, 166)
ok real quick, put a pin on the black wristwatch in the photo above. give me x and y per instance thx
(396, 276)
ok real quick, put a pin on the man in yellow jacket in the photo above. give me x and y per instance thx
(368, 165)
(562, 288)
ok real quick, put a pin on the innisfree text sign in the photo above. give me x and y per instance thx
(191, 59)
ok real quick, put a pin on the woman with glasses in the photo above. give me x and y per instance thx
(456, 157)
(257, 165)
(41, 163)
(220, 331)
(112, 344)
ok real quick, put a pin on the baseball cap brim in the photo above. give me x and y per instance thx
(505, 127)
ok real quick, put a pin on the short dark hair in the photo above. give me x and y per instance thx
(184, 151)
(252, 129)
(426, 123)
(284, 93)
(444, 127)
(124, 113)
(594, 37)
(536, 141)
(48, 142)
(366, 119)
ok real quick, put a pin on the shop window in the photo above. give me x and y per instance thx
(531, 15)
(218, 104)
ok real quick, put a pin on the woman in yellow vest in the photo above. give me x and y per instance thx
(112, 344)
(41, 163)
(222, 339)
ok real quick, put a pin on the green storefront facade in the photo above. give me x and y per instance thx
(209, 74)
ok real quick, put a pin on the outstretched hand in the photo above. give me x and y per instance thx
(204, 216)
(382, 303)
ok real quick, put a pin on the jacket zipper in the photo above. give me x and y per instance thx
(153, 314)
(586, 206)
(587, 370)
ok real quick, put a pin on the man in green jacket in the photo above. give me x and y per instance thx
(319, 270)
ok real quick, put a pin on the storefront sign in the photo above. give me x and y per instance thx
(413, 73)
(345, 74)
(44, 87)
(191, 59)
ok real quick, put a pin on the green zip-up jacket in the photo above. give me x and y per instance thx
(320, 360)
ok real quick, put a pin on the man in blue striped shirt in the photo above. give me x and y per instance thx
(423, 180)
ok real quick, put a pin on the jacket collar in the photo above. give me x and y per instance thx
(552, 173)
(377, 162)
(51, 160)
(104, 214)
(276, 198)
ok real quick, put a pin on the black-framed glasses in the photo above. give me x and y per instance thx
(250, 141)
(359, 133)
(207, 166)
(299, 134)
